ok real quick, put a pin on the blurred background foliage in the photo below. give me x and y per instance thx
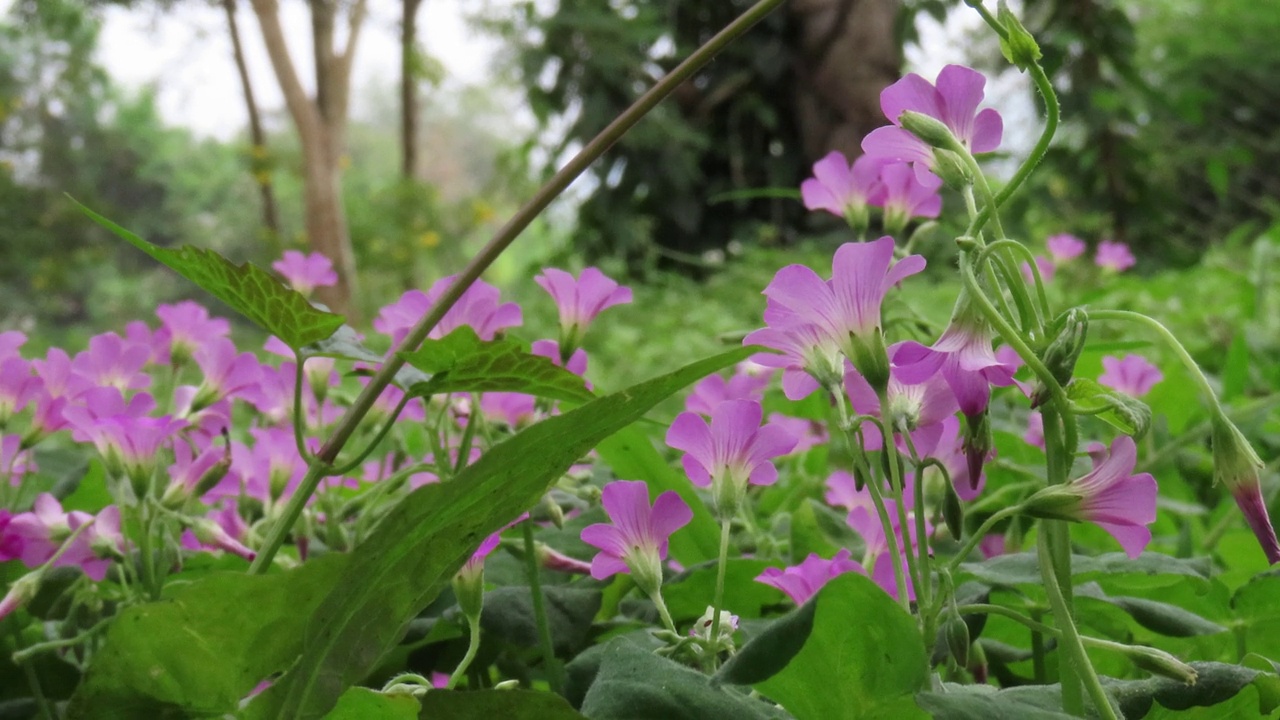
(1171, 142)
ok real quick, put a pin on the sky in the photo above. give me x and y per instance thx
(187, 54)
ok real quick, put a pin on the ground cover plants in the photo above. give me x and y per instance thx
(1009, 507)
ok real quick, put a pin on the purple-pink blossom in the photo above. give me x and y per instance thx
(1133, 375)
(579, 300)
(715, 389)
(964, 356)
(43, 530)
(954, 102)
(305, 272)
(803, 581)
(915, 407)
(480, 307)
(731, 452)
(1064, 247)
(904, 196)
(1114, 255)
(636, 541)
(113, 361)
(842, 189)
(17, 386)
(226, 372)
(184, 328)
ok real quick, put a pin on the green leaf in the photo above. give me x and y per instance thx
(1147, 569)
(632, 455)
(462, 362)
(1156, 616)
(634, 684)
(1126, 414)
(345, 344)
(770, 651)
(864, 658)
(364, 704)
(688, 594)
(983, 702)
(508, 614)
(246, 288)
(200, 650)
(424, 540)
(496, 705)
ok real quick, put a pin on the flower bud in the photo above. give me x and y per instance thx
(952, 511)
(978, 663)
(952, 169)
(211, 533)
(468, 588)
(1159, 662)
(1018, 46)
(1072, 328)
(1237, 466)
(728, 626)
(21, 592)
(929, 129)
(958, 642)
(978, 444)
(871, 360)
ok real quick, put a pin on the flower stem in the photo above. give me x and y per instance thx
(663, 612)
(33, 681)
(540, 609)
(979, 534)
(889, 442)
(718, 598)
(501, 240)
(1193, 368)
(473, 646)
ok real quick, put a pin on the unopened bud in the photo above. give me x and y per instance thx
(507, 685)
(957, 634)
(468, 588)
(211, 533)
(870, 359)
(1072, 328)
(1159, 662)
(979, 445)
(929, 129)
(952, 169)
(21, 592)
(978, 663)
(552, 511)
(1237, 466)
(728, 626)
(1018, 46)
(952, 511)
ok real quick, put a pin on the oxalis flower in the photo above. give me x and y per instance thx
(803, 581)
(730, 453)
(1133, 375)
(809, 317)
(1110, 496)
(636, 542)
(1237, 466)
(580, 299)
(953, 102)
(480, 307)
(1114, 256)
(1064, 247)
(904, 196)
(842, 189)
(305, 273)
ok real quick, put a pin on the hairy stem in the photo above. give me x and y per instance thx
(540, 609)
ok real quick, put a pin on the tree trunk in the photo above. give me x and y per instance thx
(409, 90)
(257, 135)
(848, 54)
(321, 128)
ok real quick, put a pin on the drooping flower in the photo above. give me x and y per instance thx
(1110, 496)
(579, 300)
(480, 307)
(1114, 255)
(842, 189)
(904, 196)
(964, 356)
(305, 272)
(636, 541)
(808, 317)
(1237, 467)
(950, 451)
(731, 452)
(954, 102)
(1134, 375)
(1064, 247)
(803, 581)
(184, 328)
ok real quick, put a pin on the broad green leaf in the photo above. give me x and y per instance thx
(364, 704)
(1156, 616)
(1148, 568)
(983, 702)
(1255, 604)
(424, 540)
(634, 684)
(496, 705)
(205, 646)
(770, 651)
(688, 594)
(245, 288)
(864, 658)
(462, 362)
(508, 614)
(632, 456)
(1126, 414)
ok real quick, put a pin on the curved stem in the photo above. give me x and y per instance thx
(21, 656)
(540, 609)
(1071, 637)
(473, 646)
(663, 612)
(979, 534)
(503, 238)
(1211, 397)
(718, 600)
(298, 424)
(1017, 247)
(373, 444)
(33, 681)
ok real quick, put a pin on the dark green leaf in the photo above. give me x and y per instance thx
(634, 684)
(496, 705)
(1023, 569)
(864, 658)
(246, 288)
(1156, 616)
(508, 614)
(462, 362)
(983, 702)
(364, 704)
(631, 455)
(423, 541)
(770, 651)
(1215, 683)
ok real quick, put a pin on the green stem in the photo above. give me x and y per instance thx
(540, 609)
(503, 238)
(21, 656)
(1014, 246)
(1210, 397)
(895, 487)
(33, 681)
(473, 646)
(663, 612)
(979, 534)
(718, 601)
(1055, 541)
(373, 444)
(298, 425)
(1077, 658)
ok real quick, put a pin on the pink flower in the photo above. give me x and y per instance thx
(17, 386)
(918, 408)
(808, 433)
(45, 528)
(1110, 496)
(1035, 430)
(1044, 265)
(268, 471)
(1133, 375)
(58, 377)
(905, 196)
(949, 451)
(550, 349)
(810, 318)
(226, 373)
(580, 300)
(1065, 247)
(954, 102)
(714, 389)
(184, 328)
(966, 359)
(111, 361)
(992, 545)
(14, 461)
(842, 189)
(10, 342)
(514, 409)
(480, 307)
(10, 542)
(1114, 255)
(730, 453)
(305, 273)
(803, 581)
(636, 542)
